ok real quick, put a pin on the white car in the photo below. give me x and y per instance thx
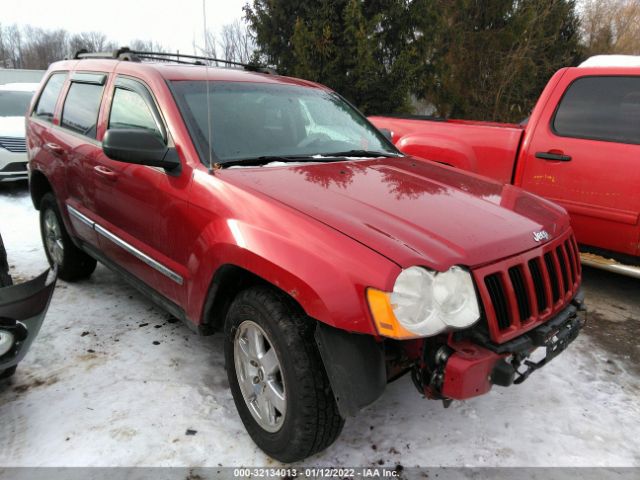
(14, 102)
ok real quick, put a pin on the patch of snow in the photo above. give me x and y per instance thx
(95, 390)
(611, 61)
(12, 127)
(19, 87)
(274, 164)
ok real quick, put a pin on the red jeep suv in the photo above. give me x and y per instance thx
(270, 209)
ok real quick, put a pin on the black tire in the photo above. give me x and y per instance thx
(8, 373)
(312, 421)
(5, 281)
(5, 278)
(74, 264)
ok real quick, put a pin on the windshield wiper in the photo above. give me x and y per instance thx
(263, 160)
(361, 154)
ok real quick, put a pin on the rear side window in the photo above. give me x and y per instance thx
(601, 108)
(80, 111)
(130, 110)
(49, 97)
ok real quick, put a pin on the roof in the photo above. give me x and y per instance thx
(19, 87)
(174, 71)
(612, 61)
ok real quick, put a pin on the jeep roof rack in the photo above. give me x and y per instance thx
(126, 54)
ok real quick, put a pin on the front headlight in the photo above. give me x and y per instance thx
(6, 341)
(424, 303)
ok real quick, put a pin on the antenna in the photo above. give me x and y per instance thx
(206, 66)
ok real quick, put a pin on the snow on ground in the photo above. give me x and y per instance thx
(111, 381)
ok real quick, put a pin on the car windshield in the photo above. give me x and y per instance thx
(14, 104)
(258, 120)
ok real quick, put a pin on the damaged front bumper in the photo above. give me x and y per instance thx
(22, 310)
(469, 367)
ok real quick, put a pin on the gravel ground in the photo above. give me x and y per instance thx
(114, 381)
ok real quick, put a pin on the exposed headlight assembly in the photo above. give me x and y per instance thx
(424, 303)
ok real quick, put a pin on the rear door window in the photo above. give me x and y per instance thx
(601, 108)
(46, 106)
(81, 107)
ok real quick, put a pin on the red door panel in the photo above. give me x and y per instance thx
(595, 179)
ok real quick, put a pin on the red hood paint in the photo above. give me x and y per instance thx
(412, 212)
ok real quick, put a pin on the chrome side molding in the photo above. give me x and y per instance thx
(143, 257)
(596, 261)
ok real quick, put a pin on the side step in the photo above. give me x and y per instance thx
(596, 261)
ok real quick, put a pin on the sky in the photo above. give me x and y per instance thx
(173, 23)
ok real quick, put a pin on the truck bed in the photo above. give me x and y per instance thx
(486, 148)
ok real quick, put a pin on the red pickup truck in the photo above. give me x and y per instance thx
(580, 148)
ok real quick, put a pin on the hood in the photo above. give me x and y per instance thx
(12, 127)
(411, 211)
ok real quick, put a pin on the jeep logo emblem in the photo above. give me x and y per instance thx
(541, 235)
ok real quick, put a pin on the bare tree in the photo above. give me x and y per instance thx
(236, 43)
(42, 47)
(90, 41)
(147, 46)
(611, 26)
(31, 47)
(10, 46)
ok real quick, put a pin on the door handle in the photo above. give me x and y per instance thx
(105, 173)
(54, 148)
(554, 155)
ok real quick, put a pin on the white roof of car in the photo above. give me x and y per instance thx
(612, 61)
(19, 87)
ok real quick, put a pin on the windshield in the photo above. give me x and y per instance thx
(252, 120)
(14, 104)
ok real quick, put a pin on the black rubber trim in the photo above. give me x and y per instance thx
(536, 337)
(355, 366)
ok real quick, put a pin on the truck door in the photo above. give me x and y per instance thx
(74, 141)
(140, 207)
(585, 155)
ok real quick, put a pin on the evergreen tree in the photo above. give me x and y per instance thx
(340, 43)
(494, 57)
(483, 59)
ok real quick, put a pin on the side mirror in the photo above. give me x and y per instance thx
(140, 147)
(388, 134)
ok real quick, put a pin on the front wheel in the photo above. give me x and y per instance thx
(277, 378)
(71, 262)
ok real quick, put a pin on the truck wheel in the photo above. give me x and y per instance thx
(8, 373)
(73, 263)
(277, 378)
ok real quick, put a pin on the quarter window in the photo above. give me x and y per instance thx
(130, 110)
(601, 108)
(49, 97)
(80, 111)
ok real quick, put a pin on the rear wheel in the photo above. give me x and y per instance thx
(277, 378)
(72, 263)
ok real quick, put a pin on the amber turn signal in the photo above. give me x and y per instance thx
(383, 316)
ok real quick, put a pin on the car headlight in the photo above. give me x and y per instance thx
(424, 303)
(6, 341)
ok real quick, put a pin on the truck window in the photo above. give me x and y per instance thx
(601, 108)
(47, 102)
(130, 110)
(80, 111)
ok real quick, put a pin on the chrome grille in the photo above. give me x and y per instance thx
(13, 144)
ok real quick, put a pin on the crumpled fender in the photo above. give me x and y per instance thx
(22, 311)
